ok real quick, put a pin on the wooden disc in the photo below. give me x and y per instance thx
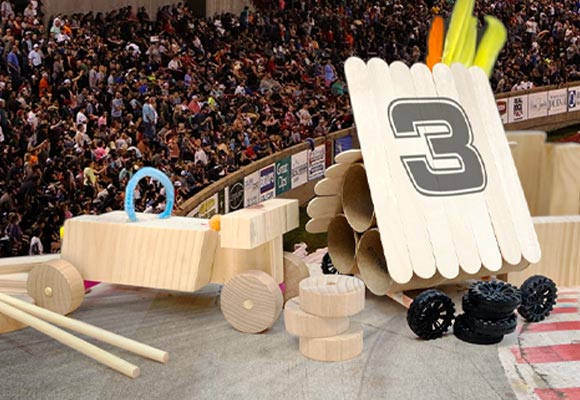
(335, 348)
(252, 301)
(332, 295)
(57, 286)
(295, 270)
(8, 324)
(300, 323)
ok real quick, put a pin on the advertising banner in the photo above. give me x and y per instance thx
(342, 144)
(299, 166)
(537, 105)
(573, 93)
(268, 182)
(518, 108)
(557, 101)
(207, 209)
(252, 189)
(316, 162)
(502, 107)
(235, 196)
(283, 175)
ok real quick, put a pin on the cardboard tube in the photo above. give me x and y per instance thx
(356, 198)
(342, 242)
(88, 349)
(371, 262)
(88, 330)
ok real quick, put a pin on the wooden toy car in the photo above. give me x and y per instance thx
(176, 253)
(438, 198)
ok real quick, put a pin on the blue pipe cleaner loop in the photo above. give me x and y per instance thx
(157, 175)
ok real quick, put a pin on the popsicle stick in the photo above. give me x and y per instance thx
(318, 225)
(349, 157)
(509, 175)
(387, 88)
(474, 203)
(461, 233)
(89, 350)
(88, 330)
(494, 194)
(336, 170)
(325, 206)
(328, 186)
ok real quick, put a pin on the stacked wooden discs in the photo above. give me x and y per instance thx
(320, 317)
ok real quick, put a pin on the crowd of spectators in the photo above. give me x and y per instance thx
(88, 99)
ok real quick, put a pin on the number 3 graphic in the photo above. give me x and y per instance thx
(453, 165)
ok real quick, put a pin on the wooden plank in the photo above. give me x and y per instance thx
(458, 222)
(324, 206)
(495, 196)
(258, 224)
(328, 187)
(14, 265)
(336, 170)
(387, 87)
(373, 145)
(319, 225)
(474, 203)
(231, 262)
(505, 163)
(349, 157)
(175, 253)
(564, 195)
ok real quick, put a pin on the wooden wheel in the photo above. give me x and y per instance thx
(251, 302)
(294, 271)
(56, 286)
(8, 324)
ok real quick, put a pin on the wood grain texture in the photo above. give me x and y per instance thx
(342, 242)
(318, 225)
(357, 200)
(332, 295)
(8, 324)
(251, 302)
(13, 283)
(57, 286)
(328, 186)
(267, 257)
(14, 265)
(559, 237)
(324, 206)
(336, 348)
(336, 170)
(302, 324)
(258, 224)
(175, 253)
(349, 157)
(563, 181)
(295, 270)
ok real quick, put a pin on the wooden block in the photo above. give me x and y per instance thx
(324, 206)
(300, 323)
(57, 286)
(332, 295)
(14, 265)
(337, 348)
(564, 194)
(251, 302)
(328, 187)
(295, 270)
(349, 157)
(267, 257)
(336, 170)
(175, 253)
(342, 242)
(375, 147)
(318, 225)
(258, 224)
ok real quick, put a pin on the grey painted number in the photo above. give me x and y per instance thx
(451, 165)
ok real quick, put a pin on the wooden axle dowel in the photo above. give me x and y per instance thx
(88, 330)
(89, 350)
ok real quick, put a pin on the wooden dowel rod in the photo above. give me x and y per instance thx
(88, 349)
(15, 265)
(88, 330)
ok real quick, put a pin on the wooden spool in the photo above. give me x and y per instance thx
(57, 286)
(332, 295)
(342, 243)
(336, 348)
(302, 324)
(252, 301)
(356, 198)
(295, 270)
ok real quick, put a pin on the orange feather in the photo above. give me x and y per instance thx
(435, 42)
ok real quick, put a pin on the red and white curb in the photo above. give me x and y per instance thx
(542, 360)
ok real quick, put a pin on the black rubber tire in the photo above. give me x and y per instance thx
(501, 327)
(539, 295)
(493, 300)
(431, 314)
(327, 266)
(464, 333)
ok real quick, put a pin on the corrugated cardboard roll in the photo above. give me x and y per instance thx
(342, 242)
(356, 199)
